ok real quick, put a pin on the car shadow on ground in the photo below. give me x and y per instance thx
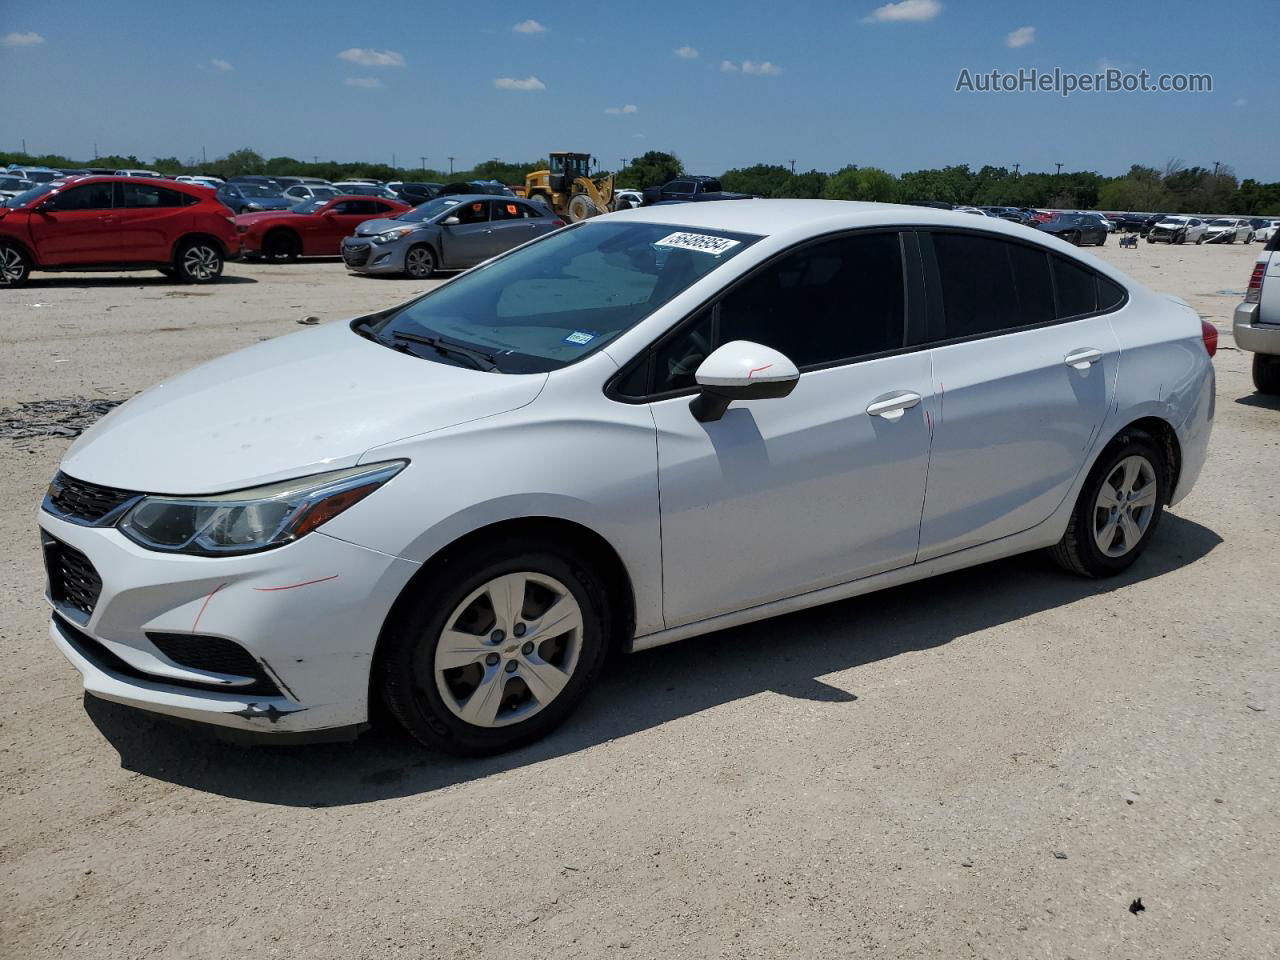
(92, 282)
(1266, 401)
(785, 655)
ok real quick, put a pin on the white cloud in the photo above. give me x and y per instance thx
(219, 64)
(372, 58)
(511, 83)
(529, 26)
(31, 39)
(728, 66)
(686, 53)
(1022, 37)
(364, 83)
(763, 68)
(639, 136)
(1240, 103)
(629, 108)
(907, 11)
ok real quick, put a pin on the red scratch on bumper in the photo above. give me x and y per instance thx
(292, 586)
(205, 604)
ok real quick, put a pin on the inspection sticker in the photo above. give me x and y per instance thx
(580, 337)
(701, 242)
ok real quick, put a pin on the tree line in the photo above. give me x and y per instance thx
(1173, 188)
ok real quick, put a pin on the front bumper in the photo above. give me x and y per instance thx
(362, 255)
(1252, 335)
(308, 613)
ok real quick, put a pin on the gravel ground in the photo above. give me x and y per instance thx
(996, 763)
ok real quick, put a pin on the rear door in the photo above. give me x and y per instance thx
(77, 225)
(1024, 366)
(152, 218)
(513, 223)
(470, 240)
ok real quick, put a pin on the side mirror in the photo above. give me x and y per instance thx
(740, 370)
(450, 221)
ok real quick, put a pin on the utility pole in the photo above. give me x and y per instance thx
(424, 163)
(315, 158)
(203, 158)
(451, 159)
(24, 145)
(793, 167)
(393, 160)
(1016, 167)
(1216, 163)
(95, 151)
(623, 161)
(1059, 166)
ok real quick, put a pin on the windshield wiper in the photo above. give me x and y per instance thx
(479, 359)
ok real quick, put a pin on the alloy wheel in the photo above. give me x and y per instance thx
(200, 262)
(1124, 506)
(13, 269)
(419, 262)
(508, 649)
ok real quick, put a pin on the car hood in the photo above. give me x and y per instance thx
(373, 227)
(288, 407)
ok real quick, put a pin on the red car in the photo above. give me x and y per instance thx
(313, 228)
(116, 223)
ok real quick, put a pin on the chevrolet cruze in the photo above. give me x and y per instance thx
(643, 427)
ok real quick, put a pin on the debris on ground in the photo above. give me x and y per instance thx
(1136, 907)
(308, 321)
(41, 419)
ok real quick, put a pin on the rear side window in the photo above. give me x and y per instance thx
(145, 195)
(1077, 290)
(990, 285)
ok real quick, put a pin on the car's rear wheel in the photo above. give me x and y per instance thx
(281, 246)
(498, 648)
(1266, 373)
(1199, 239)
(420, 262)
(198, 261)
(1118, 510)
(1250, 240)
(15, 266)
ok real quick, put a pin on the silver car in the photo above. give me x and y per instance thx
(447, 233)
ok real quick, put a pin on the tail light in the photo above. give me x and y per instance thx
(1254, 293)
(1210, 334)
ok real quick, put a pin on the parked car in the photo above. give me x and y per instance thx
(1267, 231)
(355, 189)
(414, 193)
(115, 223)
(452, 505)
(313, 228)
(300, 192)
(448, 233)
(961, 208)
(1075, 228)
(202, 181)
(10, 187)
(1101, 218)
(1133, 222)
(1178, 230)
(684, 189)
(35, 174)
(1256, 324)
(1229, 230)
(626, 198)
(243, 197)
(152, 174)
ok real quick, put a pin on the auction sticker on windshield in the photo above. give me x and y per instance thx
(700, 242)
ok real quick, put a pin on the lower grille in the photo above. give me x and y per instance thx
(356, 256)
(73, 581)
(215, 655)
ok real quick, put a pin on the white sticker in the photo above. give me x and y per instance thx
(580, 337)
(701, 242)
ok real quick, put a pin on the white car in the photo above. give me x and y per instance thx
(1267, 231)
(1178, 230)
(212, 182)
(302, 192)
(140, 173)
(11, 186)
(1256, 324)
(1229, 230)
(645, 426)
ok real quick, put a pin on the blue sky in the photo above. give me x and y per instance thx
(824, 83)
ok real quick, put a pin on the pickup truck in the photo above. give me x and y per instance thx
(685, 189)
(1256, 324)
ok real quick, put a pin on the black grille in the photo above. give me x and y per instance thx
(356, 255)
(73, 581)
(86, 502)
(215, 655)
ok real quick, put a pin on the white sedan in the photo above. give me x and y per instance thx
(1178, 230)
(1229, 230)
(640, 428)
(1267, 231)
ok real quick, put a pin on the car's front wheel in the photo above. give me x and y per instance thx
(15, 266)
(198, 261)
(282, 245)
(1118, 509)
(1266, 373)
(420, 262)
(497, 649)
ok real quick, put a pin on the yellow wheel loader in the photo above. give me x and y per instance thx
(567, 188)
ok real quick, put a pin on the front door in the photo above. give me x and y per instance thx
(785, 496)
(77, 225)
(470, 240)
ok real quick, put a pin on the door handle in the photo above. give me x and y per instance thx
(1081, 359)
(893, 405)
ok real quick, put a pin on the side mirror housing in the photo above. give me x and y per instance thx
(740, 370)
(450, 221)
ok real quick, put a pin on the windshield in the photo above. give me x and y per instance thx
(42, 176)
(35, 193)
(1173, 220)
(309, 206)
(554, 301)
(425, 211)
(256, 190)
(1222, 223)
(13, 183)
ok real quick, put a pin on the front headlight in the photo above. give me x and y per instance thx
(247, 521)
(388, 235)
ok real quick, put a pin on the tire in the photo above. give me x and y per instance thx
(1150, 238)
(198, 261)
(1180, 239)
(420, 262)
(1080, 550)
(1266, 373)
(1199, 239)
(281, 246)
(429, 698)
(168, 272)
(15, 266)
(1250, 239)
(1103, 241)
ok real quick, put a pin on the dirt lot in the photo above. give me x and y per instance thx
(993, 764)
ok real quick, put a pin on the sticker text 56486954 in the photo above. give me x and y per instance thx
(701, 242)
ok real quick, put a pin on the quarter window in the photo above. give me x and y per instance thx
(1076, 289)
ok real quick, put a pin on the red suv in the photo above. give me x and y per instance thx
(116, 223)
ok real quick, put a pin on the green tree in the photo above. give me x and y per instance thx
(861, 183)
(804, 186)
(651, 170)
(764, 179)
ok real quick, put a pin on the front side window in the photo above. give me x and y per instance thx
(91, 196)
(680, 186)
(476, 211)
(559, 299)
